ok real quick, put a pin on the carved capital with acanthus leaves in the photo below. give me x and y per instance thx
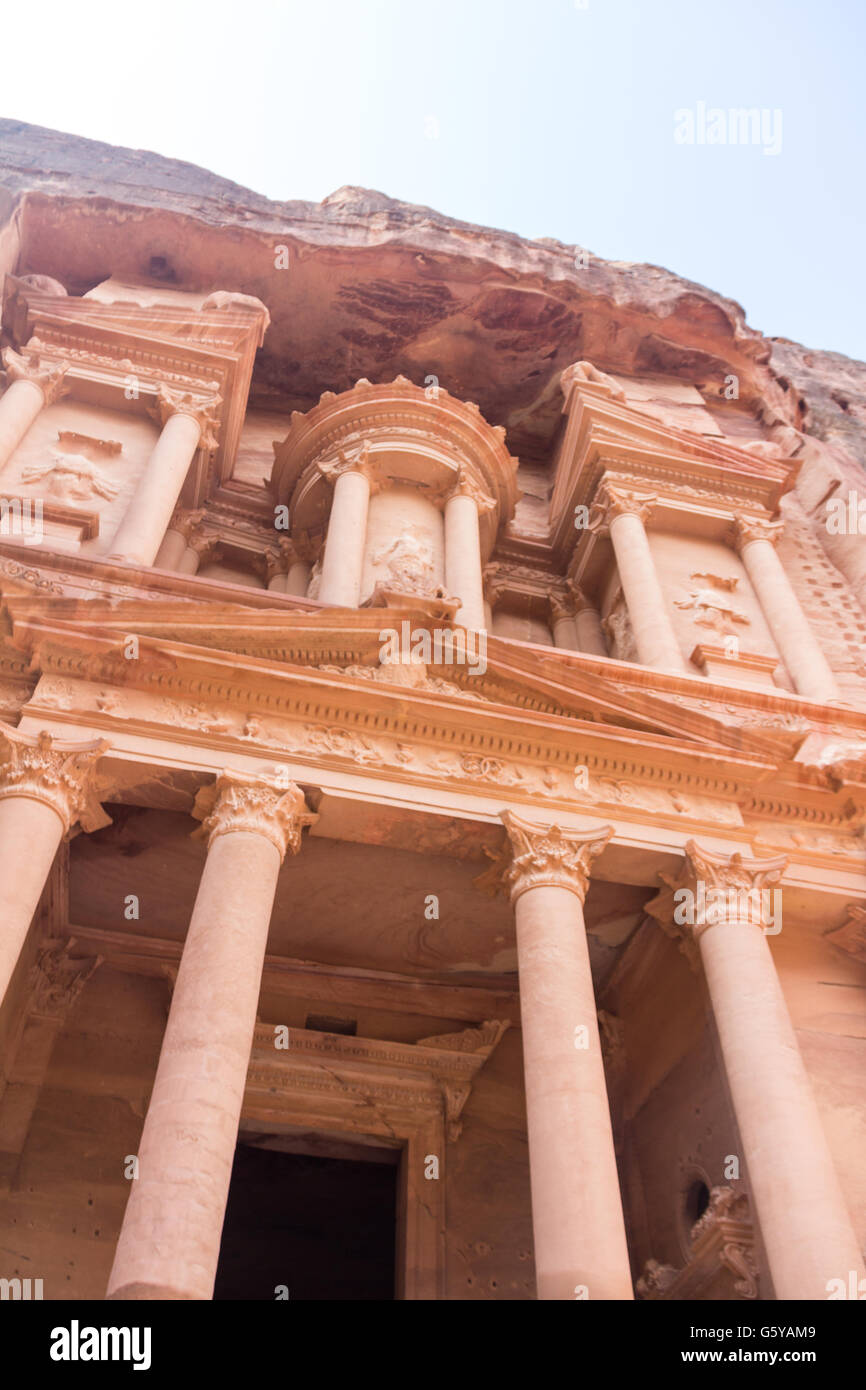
(184, 521)
(561, 606)
(48, 377)
(612, 501)
(748, 529)
(543, 856)
(465, 485)
(350, 459)
(203, 409)
(59, 773)
(713, 889)
(579, 600)
(257, 805)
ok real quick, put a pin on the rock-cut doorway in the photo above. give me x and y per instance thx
(308, 1220)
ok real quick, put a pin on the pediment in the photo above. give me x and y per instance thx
(605, 435)
(333, 656)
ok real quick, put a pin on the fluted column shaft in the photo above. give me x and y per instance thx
(45, 788)
(805, 1226)
(170, 1240)
(580, 1244)
(463, 571)
(798, 647)
(185, 424)
(33, 386)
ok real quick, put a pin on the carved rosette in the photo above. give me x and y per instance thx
(723, 889)
(204, 410)
(56, 772)
(611, 502)
(235, 802)
(48, 376)
(466, 485)
(754, 528)
(545, 856)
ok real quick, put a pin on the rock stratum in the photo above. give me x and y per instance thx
(363, 285)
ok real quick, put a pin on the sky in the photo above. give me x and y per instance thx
(604, 123)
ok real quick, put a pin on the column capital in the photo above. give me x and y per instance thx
(494, 584)
(755, 528)
(205, 543)
(184, 521)
(580, 602)
(465, 485)
(204, 410)
(238, 801)
(49, 377)
(358, 459)
(55, 771)
(279, 558)
(544, 856)
(612, 501)
(561, 605)
(712, 889)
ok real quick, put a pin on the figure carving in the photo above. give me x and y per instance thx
(407, 562)
(73, 478)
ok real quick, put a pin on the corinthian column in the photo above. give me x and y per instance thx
(46, 786)
(34, 386)
(721, 902)
(623, 515)
(590, 634)
(755, 542)
(562, 623)
(172, 552)
(170, 1240)
(286, 570)
(187, 422)
(580, 1245)
(463, 578)
(343, 560)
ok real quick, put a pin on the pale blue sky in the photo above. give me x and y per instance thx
(554, 118)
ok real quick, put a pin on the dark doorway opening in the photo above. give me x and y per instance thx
(317, 1227)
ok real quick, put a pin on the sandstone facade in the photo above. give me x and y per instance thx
(433, 732)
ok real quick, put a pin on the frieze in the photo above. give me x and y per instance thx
(573, 784)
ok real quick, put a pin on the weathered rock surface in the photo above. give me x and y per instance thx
(375, 287)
